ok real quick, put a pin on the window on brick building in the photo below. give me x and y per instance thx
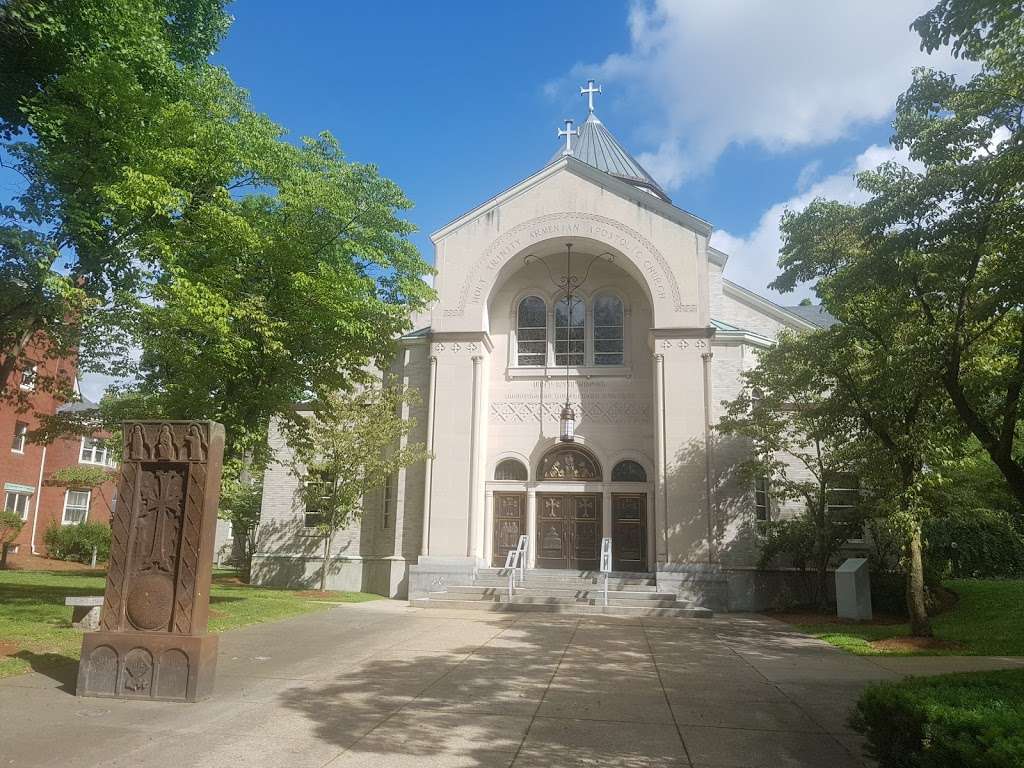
(15, 501)
(76, 507)
(95, 451)
(20, 437)
(28, 378)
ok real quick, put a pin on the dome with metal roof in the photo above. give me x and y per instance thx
(594, 145)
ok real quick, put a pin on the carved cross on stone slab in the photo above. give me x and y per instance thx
(152, 642)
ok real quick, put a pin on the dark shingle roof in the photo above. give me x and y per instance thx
(813, 313)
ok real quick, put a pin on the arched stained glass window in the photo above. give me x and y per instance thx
(510, 469)
(569, 464)
(532, 331)
(608, 330)
(570, 336)
(629, 472)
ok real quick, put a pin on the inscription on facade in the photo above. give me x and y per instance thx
(635, 246)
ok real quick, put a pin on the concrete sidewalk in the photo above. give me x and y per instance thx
(383, 685)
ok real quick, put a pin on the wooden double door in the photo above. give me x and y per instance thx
(568, 531)
(509, 525)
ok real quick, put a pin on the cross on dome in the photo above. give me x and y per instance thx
(568, 132)
(589, 92)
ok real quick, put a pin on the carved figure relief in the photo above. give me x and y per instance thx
(138, 671)
(195, 444)
(165, 450)
(137, 449)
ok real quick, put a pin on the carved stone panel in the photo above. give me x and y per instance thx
(156, 603)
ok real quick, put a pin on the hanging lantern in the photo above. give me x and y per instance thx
(567, 433)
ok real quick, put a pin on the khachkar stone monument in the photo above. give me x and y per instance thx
(152, 642)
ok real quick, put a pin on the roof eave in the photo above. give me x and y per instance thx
(623, 188)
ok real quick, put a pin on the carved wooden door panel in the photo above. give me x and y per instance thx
(629, 531)
(509, 524)
(586, 532)
(552, 545)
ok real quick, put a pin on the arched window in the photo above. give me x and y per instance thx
(532, 331)
(510, 469)
(570, 337)
(569, 464)
(629, 472)
(608, 330)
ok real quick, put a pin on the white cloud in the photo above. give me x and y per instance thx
(753, 260)
(700, 75)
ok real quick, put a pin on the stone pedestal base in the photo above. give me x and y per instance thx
(146, 665)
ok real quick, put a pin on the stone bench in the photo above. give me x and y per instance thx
(85, 613)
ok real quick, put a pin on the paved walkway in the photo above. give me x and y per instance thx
(387, 686)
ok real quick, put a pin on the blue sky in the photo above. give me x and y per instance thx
(739, 108)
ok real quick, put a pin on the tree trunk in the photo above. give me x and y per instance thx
(3, 556)
(920, 625)
(323, 565)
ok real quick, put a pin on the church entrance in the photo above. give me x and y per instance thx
(568, 530)
(509, 524)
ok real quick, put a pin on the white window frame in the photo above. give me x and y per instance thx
(592, 328)
(29, 375)
(547, 331)
(16, 494)
(105, 461)
(67, 497)
(20, 437)
(762, 524)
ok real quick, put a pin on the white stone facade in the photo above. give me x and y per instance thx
(688, 335)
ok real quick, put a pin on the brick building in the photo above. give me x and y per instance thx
(26, 469)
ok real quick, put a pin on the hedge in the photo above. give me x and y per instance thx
(967, 720)
(75, 542)
(974, 543)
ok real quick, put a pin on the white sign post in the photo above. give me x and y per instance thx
(606, 564)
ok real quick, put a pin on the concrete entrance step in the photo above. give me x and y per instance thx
(683, 612)
(564, 592)
(580, 579)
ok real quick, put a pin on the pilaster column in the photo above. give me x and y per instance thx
(488, 527)
(606, 513)
(660, 492)
(531, 527)
(706, 359)
(474, 460)
(429, 468)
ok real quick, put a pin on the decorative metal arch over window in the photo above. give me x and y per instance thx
(629, 472)
(569, 464)
(510, 469)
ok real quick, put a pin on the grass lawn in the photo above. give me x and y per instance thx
(35, 625)
(988, 620)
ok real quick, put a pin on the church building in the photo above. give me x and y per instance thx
(571, 374)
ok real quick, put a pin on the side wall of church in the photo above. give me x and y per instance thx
(370, 554)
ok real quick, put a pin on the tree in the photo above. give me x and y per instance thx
(86, 83)
(10, 527)
(348, 447)
(873, 365)
(946, 235)
(803, 444)
(169, 218)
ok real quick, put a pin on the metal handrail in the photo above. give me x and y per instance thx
(516, 560)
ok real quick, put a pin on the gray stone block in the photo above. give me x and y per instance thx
(853, 590)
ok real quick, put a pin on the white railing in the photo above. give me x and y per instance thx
(515, 561)
(606, 564)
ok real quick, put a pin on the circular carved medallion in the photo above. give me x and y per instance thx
(151, 600)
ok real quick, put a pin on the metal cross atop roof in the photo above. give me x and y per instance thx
(568, 133)
(589, 92)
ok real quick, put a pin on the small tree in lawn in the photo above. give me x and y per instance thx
(349, 446)
(787, 411)
(10, 527)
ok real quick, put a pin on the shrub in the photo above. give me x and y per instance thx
(974, 543)
(75, 542)
(790, 540)
(970, 720)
